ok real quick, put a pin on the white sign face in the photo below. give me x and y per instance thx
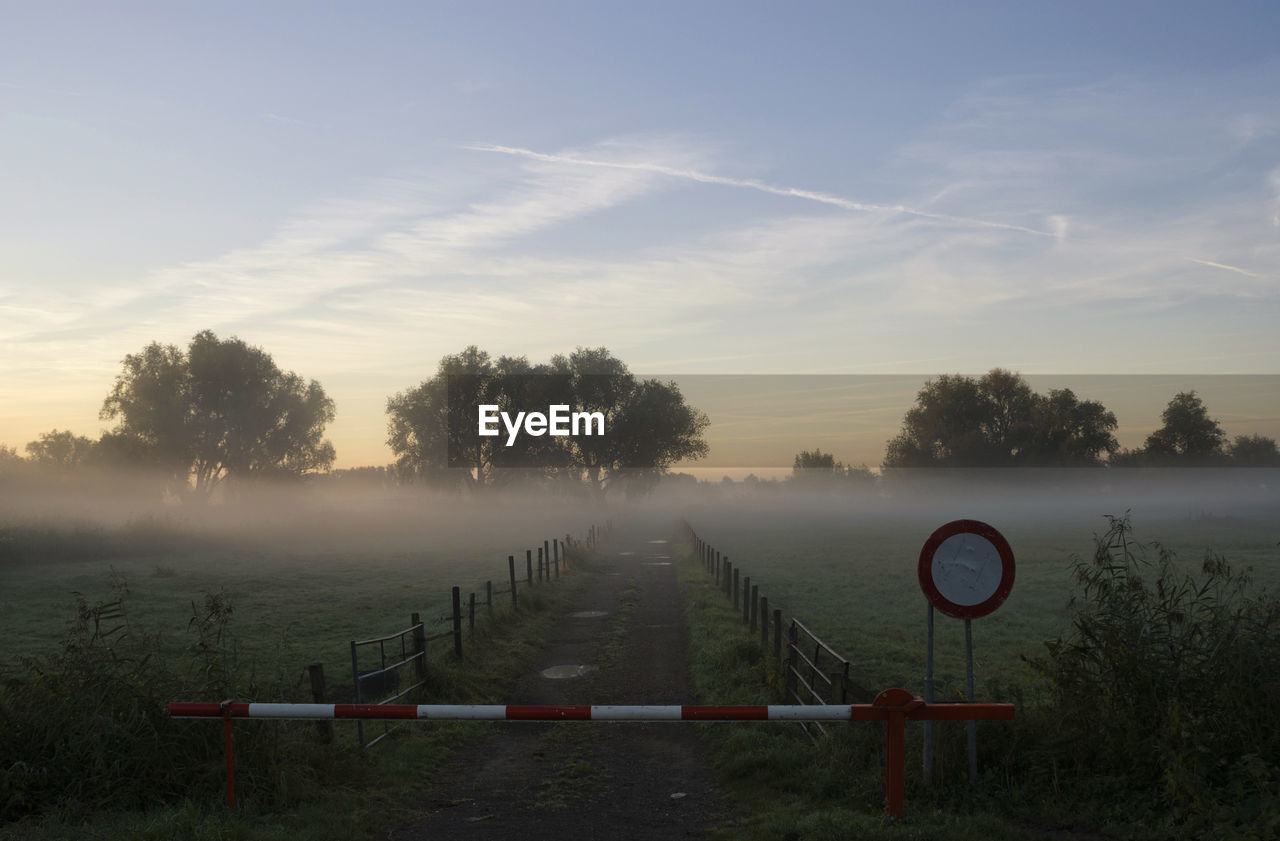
(967, 569)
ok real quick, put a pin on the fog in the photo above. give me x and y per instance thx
(372, 515)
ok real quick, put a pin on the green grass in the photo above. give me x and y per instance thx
(298, 599)
(851, 577)
(786, 786)
(290, 785)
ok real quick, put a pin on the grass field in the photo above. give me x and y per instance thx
(300, 589)
(1125, 735)
(849, 572)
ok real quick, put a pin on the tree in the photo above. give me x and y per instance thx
(1188, 438)
(998, 421)
(1067, 432)
(220, 411)
(653, 429)
(9, 459)
(647, 424)
(433, 427)
(818, 469)
(60, 450)
(1254, 451)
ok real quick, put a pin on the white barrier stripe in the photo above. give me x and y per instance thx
(460, 712)
(635, 713)
(301, 711)
(831, 712)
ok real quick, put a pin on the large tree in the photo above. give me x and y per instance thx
(221, 410)
(433, 426)
(60, 450)
(997, 421)
(1189, 435)
(1254, 451)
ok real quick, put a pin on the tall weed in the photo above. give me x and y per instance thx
(1167, 685)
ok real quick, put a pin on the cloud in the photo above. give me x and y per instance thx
(1235, 269)
(751, 184)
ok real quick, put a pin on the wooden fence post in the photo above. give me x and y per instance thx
(793, 636)
(717, 568)
(546, 552)
(528, 564)
(540, 565)
(746, 599)
(419, 647)
(488, 596)
(471, 614)
(457, 622)
(755, 604)
(511, 568)
(735, 587)
(324, 729)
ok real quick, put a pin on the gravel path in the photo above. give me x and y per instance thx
(575, 781)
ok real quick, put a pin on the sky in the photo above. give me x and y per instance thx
(702, 188)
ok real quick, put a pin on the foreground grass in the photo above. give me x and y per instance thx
(788, 787)
(318, 791)
(1151, 716)
(850, 575)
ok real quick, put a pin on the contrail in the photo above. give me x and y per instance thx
(1236, 269)
(792, 192)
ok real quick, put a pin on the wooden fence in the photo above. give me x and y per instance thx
(383, 682)
(812, 671)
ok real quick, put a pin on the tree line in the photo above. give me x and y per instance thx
(220, 413)
(996, 420)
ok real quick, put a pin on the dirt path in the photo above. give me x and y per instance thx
(576, 781)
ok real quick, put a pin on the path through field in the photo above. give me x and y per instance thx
(579, 780)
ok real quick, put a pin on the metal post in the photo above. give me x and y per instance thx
(229, 747)
(973, 725)
(457, 622)
(894, 763)
(355, 678)
(928, 699)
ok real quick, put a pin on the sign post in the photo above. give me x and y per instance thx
(966, 571)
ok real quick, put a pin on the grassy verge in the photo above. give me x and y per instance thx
(786, 786)
(100, 700)
(1152, 716)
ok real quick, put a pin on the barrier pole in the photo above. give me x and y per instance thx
(231, 757)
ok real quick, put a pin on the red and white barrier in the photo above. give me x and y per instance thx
(895, 707)
(494, 712)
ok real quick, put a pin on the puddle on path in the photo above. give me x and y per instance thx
(588, 614)
(657, 541)
(568, 671)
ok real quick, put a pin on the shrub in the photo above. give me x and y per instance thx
(1168, 685)
(87, 727)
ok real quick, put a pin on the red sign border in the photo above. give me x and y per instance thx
(924, 569)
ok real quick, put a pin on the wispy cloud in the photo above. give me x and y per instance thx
(751, 184)
(1235, 269)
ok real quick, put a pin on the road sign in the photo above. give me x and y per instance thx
(966, 569)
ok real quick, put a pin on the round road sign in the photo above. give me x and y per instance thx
(966, 569)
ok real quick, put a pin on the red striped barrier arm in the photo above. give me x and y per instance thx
(497, 712)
